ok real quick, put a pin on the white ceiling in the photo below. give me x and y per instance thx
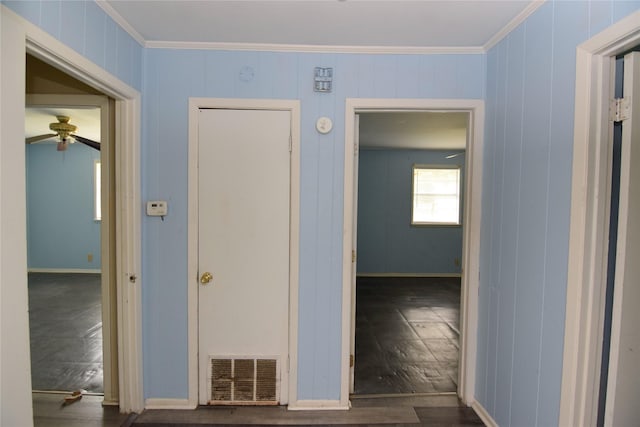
(414, 130)
(347, 23)
(87, 120)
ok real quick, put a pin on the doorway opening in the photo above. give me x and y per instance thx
(408, 230)
(415, 322)
(70, 234)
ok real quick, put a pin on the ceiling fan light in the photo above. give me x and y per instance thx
(63, 127)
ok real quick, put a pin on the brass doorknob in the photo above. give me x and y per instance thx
(206, 278)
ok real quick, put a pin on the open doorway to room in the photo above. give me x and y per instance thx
(410, 188)
(472, 112)
(70, 240)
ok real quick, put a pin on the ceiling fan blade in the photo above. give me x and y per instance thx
(91, 143)
(39, 138)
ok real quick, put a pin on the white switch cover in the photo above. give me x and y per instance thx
(156, 208)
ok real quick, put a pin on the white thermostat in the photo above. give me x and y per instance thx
(156, 208)
(324, 125)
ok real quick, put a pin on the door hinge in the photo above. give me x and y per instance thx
(351, 361)
(290, 142)
(355, 149)
(288, 363)
(619, 109)
(353, 255)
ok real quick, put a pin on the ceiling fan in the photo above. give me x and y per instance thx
(64, 131)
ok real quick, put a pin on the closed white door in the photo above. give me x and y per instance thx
(623, 389)
(243, 255)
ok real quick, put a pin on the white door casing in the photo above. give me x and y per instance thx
(471, 235)
(589, 222)
(354, 257)
(623, 386)
(258, 244)
(25, 37)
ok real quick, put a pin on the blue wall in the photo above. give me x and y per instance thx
(526, 206)
(61, 229)
(86, 28)
(171, 77)
(387, 243)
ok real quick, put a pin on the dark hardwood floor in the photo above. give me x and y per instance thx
(409, 411)
(406, 342)
(65, 323)
(407, 333)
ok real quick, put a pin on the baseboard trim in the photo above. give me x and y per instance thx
(110, 403)
(484, 415)
(408, 275)
(65, 270)
(168, 404)
(317, 405)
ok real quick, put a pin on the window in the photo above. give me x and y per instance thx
(97, 193)
(436, 195)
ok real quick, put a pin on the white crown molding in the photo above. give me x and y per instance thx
(522, 16)
(106, 7)
(274, 47)
(396, 50)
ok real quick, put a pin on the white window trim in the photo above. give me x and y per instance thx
(97, 190)
(458, 223)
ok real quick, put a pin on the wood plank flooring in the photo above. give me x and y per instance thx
(49, 411)
(395, 318)
(65, 323)
(393, 411)
(407, 334)
(401, 411)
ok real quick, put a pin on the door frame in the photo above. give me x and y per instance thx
(470, 239)
(293, 106)
(26, 38)
(589, 220)
(108, 293)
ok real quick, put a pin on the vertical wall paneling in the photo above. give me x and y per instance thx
(94, 29)
(525, 230)
(171, 77)
(72, 12)
(88, 30)
(533, 199)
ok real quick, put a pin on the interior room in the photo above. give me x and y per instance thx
(64, 250)
(408, 266)
(67, 213)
